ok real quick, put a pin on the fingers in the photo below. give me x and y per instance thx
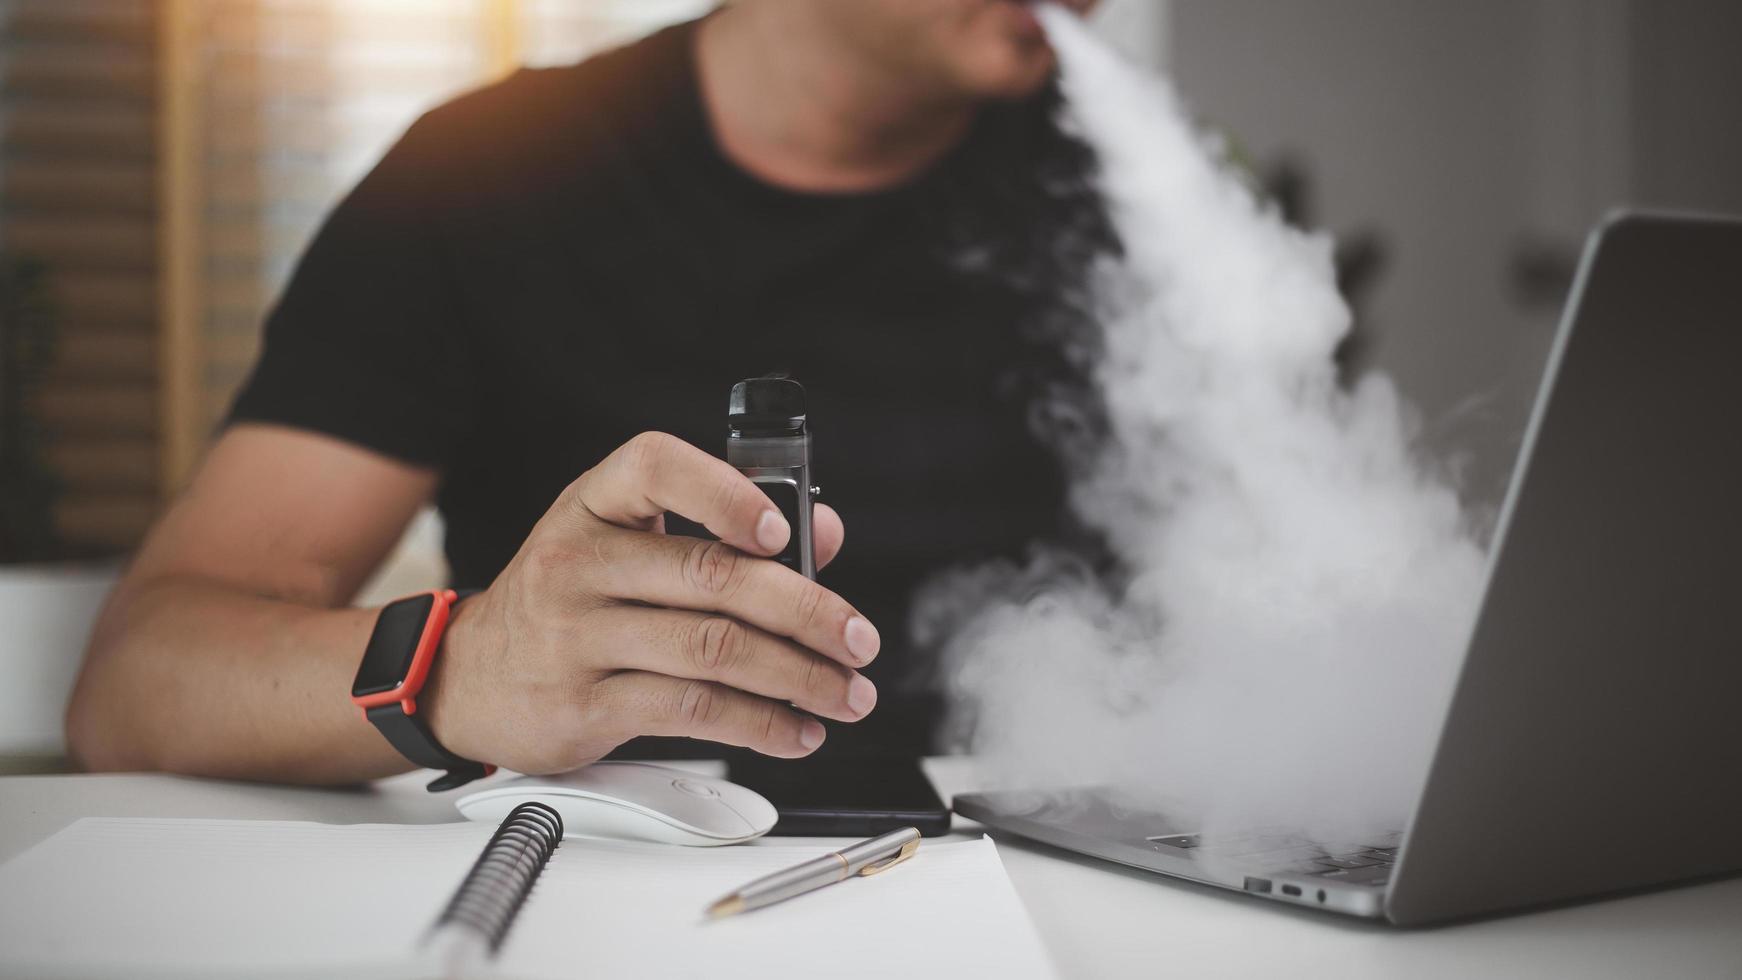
(654, 472)
(712, 576)
(827, 533)
(720, 649)
(655, 704)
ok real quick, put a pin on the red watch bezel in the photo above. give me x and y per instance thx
(411, 685)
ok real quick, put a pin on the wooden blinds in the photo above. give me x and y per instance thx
(77, 179)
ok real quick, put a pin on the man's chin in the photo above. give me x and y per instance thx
(1019, 61)
(1016, 78)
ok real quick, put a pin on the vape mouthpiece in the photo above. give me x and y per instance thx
(766, 407)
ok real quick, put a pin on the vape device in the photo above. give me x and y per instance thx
(767, 439)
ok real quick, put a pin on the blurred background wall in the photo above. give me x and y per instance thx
(1476, 143)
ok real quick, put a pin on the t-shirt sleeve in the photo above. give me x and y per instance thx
(368, 341)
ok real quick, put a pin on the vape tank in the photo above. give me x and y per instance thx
(768, 441)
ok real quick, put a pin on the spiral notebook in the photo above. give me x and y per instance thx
(184, 898)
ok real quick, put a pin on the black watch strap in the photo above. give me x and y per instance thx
(412, 737)
(410, 734)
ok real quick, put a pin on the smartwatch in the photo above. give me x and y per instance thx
(395, 666)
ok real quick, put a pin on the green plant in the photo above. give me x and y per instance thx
(28, 485)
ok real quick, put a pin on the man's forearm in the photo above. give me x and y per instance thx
(192, 677)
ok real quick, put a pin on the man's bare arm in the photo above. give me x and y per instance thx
(226, 650)
(223, 651)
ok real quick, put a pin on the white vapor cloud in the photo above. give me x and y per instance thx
(1302, 583)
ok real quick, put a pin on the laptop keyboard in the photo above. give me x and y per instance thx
(1282, 854)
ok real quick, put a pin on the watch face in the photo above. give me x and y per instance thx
(393, 645)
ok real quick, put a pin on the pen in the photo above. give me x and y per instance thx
(864, 858)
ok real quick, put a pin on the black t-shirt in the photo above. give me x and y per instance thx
(542, 269)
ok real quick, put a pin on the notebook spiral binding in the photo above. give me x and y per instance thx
(490, 897)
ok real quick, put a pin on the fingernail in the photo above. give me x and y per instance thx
(772, 531)
(810, 734)
(861, 696)
(862, 639)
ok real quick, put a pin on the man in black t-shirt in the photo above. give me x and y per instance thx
(531, 311)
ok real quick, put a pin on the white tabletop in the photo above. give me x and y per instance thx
(1097, 920)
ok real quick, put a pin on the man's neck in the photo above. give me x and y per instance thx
(795, 107)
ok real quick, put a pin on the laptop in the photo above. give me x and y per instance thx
(1593, 743)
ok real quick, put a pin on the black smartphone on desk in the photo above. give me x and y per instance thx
(844, 797)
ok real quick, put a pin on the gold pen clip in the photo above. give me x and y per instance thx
(907, 850)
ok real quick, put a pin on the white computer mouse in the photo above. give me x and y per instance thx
(634, 801)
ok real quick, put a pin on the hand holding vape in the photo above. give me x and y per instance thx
(768, 440)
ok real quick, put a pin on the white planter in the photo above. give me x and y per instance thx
(46, 612)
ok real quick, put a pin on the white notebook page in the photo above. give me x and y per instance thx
(948, 911)
(150, 897)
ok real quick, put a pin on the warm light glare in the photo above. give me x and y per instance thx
(298, 99)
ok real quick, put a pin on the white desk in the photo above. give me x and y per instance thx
(1098, 920)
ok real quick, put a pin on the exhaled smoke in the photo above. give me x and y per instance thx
(1300, 585)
